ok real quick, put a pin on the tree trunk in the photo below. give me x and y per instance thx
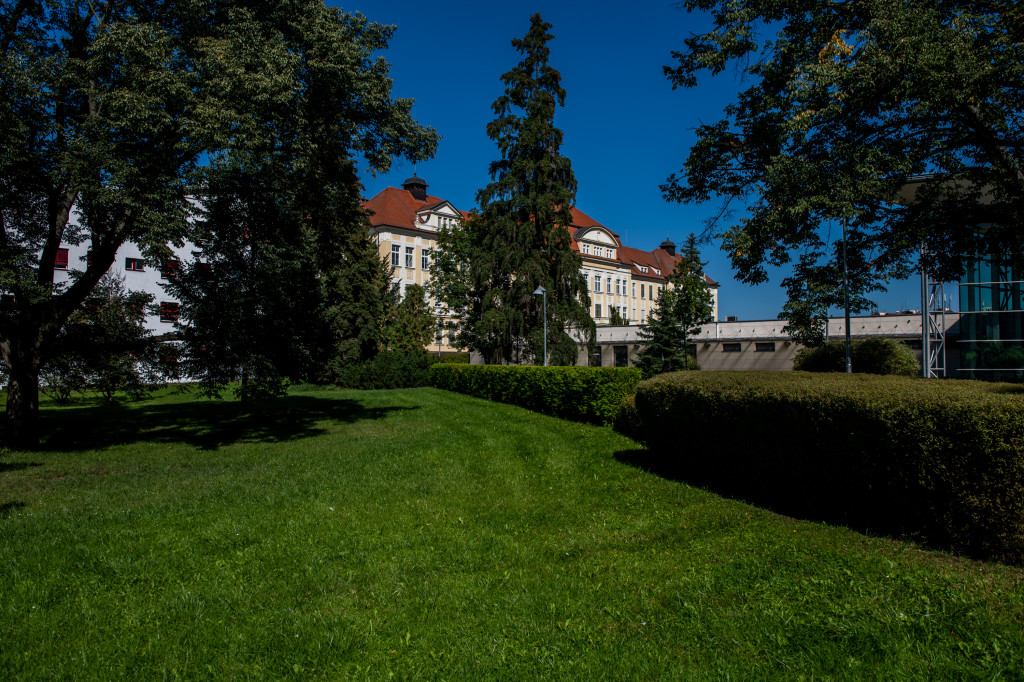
(22, 404)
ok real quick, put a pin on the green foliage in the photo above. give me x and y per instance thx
(591, 394)
(520, 239)
(449, 358)
(389, 369)
(112, 112)
(615, 318)
(941, 461)
(105, 347)
(627, 420)
(814, 288)
(413, 325)
(684, 305)
(867, 356)
(844, 104)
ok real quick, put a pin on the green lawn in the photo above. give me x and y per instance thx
(422, 534)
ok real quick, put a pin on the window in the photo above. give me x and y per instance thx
(608, 253)
(586, 249)
(764, 347)
(634, 312)
(169, 269)
(634, 289)
(650, 291)
(618, 287)
(134, 265)
(168, 311)
(396, 254)
(61, 261)
(608, 281)
(641, 292)
(597, 285)
(731, 348)
(425, 259)
(409, 251)
(621, 356)
(597, 310)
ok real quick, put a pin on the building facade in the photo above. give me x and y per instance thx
(405, 221)
(761, 344)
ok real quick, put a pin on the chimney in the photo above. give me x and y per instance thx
(417, 187)
(668, 245)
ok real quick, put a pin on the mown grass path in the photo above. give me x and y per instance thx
(344, 534)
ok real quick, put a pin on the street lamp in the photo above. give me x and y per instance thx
(542, 292)
(846, 301)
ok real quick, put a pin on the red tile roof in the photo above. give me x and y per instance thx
(398, 207)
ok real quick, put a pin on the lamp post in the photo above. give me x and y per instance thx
(543, 292)
(846, 302)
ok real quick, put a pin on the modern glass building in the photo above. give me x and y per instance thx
(991, 321)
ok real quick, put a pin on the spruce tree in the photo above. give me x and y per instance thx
(684, 305)
(520, 239)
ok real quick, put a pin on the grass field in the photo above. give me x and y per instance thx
(422, 534)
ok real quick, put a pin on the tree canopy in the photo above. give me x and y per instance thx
(904, 118)
(520, 238)
(112, 110)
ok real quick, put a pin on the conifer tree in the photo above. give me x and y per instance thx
(684, 305)
(520, 239)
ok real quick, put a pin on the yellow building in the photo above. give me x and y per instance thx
(405, 222)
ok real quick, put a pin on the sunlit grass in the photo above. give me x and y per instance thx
(351, 534)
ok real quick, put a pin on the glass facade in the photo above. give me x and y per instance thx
(991, 321)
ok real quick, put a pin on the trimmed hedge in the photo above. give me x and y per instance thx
(389, 369)
(452, 358)
(938, 461)
(591, 394)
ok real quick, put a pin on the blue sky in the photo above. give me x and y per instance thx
(625, 129)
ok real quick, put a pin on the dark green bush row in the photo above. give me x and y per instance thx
(591, 394)
(390, 369)
(452, 358)
(867, 356)
(939, 461)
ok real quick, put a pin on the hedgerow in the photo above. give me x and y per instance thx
(592, 394)
(939, 461)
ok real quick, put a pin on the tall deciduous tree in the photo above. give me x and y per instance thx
(848, 101)
(684, 305)
(520, 239)
(109, 109)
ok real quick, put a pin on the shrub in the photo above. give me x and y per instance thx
(627, 420)
(940, 461)
(389, 369)
(451, 358)
(591, 394)
(867, 356)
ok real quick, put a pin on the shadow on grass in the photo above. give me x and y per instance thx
(8, 507)
(201, 423)
(865, 514)
(17, 466)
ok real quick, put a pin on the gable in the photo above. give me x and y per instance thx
(597, 235)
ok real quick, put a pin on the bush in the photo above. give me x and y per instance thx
(867, 356)
(389, 369)
(451, 358)
(627, 420)
(592, 394)
(939, 461)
